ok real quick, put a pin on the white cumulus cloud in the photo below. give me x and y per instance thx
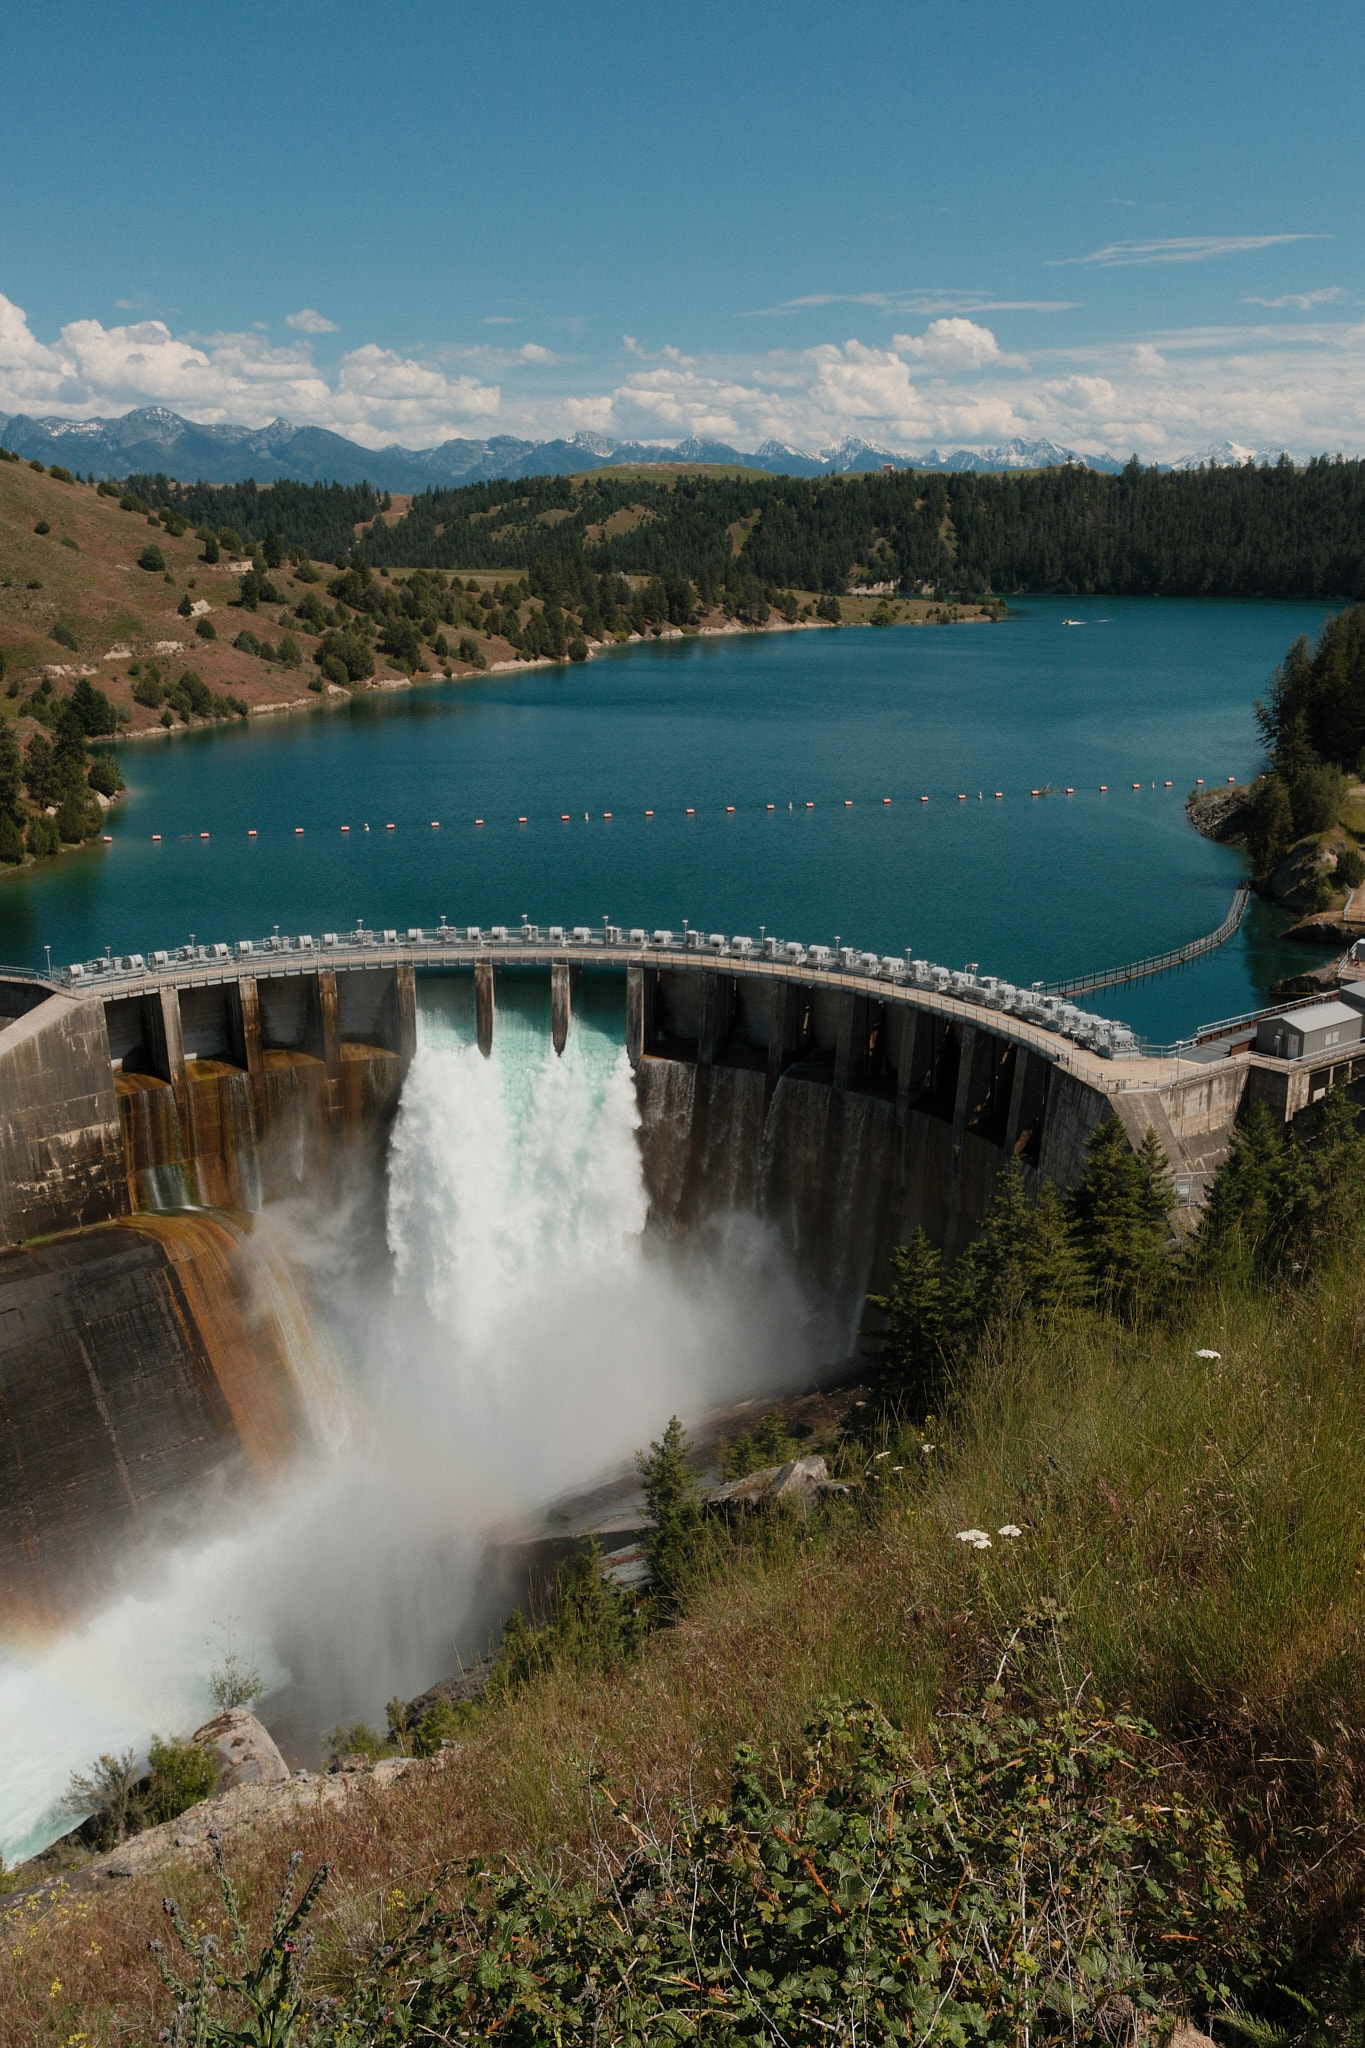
(309, 321)
(956, 344)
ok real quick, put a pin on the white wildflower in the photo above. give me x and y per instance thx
(1208, 1354)
(1009, 1529)
(879, 1455)
(926, 1448)
(978, 1538)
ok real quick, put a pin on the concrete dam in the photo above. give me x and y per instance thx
(153, 1342)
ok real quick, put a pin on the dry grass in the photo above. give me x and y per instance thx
(1192, 1546)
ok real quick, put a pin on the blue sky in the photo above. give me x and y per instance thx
(1121, 226)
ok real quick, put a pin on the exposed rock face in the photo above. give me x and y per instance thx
(800, 1479)
(245, 1751)
(1219, 814)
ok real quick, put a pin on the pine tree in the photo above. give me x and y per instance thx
(673, 1501)
(1118, 1221)
(1236, 1225)
(911, 1364)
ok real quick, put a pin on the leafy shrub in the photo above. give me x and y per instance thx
(289, 652)
(768, 1443)
(471, 651)
(104, 776)
(211, 549)
(306, 573)
(181, 1774)
(1316, 794)
(148, 690)
(1351, 867)
(151, 557)
(42, 527)
(205, 628)
(74, 822)
(11, 841)
(350, 651)
(1031, 1880)
(42, 837)
(247, 643)
(63, 476)
(186, 606)
(107, 490)
(357, 1740)
(578, 647)
(64, 636)
(237, 1682)
(227, 538)
(68, 542)
(829, 608)
(104, 1794)
(191, 696)
(335, 670)
(36, 466)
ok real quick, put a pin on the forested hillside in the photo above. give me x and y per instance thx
(1214, 532)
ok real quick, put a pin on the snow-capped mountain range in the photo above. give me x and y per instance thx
(153, 438)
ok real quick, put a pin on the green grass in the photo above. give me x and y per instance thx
(1191, 1548)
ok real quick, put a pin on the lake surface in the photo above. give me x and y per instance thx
(1146, 691)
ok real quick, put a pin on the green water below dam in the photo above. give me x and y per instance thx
(765, 761)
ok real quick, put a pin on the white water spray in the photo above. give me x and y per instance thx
(520, 1335)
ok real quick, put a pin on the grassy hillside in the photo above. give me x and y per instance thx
(1169, 1500)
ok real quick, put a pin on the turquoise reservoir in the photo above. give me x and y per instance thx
(1145, 691)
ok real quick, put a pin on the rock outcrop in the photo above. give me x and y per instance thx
(245, 1752)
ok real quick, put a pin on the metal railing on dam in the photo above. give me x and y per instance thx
(1041, 1018)
(1158, 963)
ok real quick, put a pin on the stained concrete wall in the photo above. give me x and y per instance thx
(136, 1371)
(61, 1152)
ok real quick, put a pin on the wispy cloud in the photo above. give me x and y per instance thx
(1330, 295)
(499, 320)
(1177, 249)
(928, 302)
(309, 321)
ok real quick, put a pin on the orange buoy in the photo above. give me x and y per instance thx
(478, 821)
(729, 807)
(649, 814)
(1137, 785)
(810, 806)
(961, 796)
(388, 828)
(999, 793)
(1104, 789)
(1069, 790)
(563, 817)
(156, 838)
(848, 803)
(203, 835)
(924, 799)
(345, 828)
(1199, 782)
(690, 812)
(1168, 785)
(772, 807)
(1232, 778)
(108, 838)
(886, 799)
(521, 821)
(606, 814)
(298, 831)
(435, 824)
(251, 832)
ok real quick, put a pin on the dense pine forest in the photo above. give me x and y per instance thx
(1236, 532)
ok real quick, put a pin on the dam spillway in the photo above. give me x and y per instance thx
(843, 1102)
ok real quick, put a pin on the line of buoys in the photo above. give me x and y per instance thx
(565, 817)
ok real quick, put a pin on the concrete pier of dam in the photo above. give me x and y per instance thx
(846, 1102)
